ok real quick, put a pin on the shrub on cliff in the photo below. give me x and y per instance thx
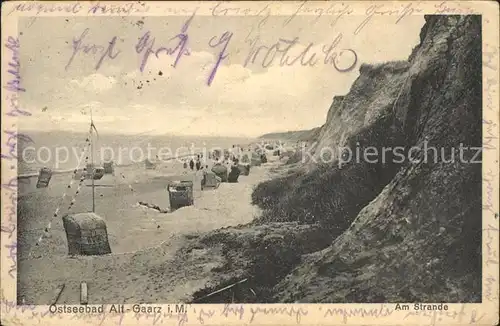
(331, 194)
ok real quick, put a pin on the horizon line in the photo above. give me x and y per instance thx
(144, 133)
(147, 133)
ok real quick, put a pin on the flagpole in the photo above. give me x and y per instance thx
(92, 160)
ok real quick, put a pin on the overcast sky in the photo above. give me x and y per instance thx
(242, 100)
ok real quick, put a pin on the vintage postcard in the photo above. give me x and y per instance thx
(216, 163)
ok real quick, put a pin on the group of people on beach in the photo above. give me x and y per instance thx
(228, 157)
(194, 163)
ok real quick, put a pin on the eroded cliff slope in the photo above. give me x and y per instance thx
(420, 238)
(404, 228)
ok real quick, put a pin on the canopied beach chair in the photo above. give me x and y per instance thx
(256, 160)
(180, 194)
(108, 167)
(234, 174)
(95, 172)
(44, 177)
(244, 169)
(210, 180)
(87, 234)
(245, 159)
(221, 171)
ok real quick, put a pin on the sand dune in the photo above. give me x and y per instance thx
(143, 241)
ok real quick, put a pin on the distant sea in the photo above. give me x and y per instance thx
(122, 149)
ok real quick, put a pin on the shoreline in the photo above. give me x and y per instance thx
(65, 171)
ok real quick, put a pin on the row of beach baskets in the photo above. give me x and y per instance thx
(87, 232)
(90, 172)
(181, 192)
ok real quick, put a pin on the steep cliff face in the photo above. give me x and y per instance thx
(403, 229)
(371, 99)
(419, 239)
(324, 191)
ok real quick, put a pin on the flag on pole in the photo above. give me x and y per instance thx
(92, 126)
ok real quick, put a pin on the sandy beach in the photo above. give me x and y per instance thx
(378, 181)
(142, 239)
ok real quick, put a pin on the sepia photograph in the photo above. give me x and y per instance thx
(231, 158)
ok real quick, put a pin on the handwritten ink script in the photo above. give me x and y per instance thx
(126, 8)
(296, 313)
(347, 313)
(440, 315)
(143, 318)
(338, 10)
(253, 314)
(223, 42)
(488, 201)
(490, 233)
(13, 83)
(490, 129)
(12, 249)
(13, 87)
(266, 55)
(38, 8)
(93, 49)
(491, 291)
(75, 7)
(146, 43)
(282, 52)
(9, 213)
(10, 207)
(11, 143)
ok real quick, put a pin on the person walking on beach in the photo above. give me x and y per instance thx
(198, 165)
(185, 164)
(205, 171)
(191, 164)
